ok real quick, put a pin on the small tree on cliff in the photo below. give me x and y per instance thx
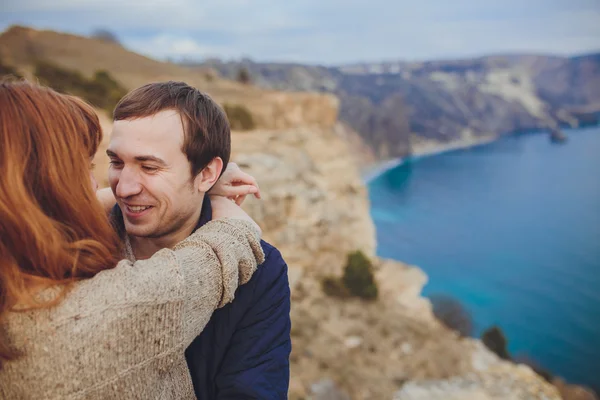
(243, 76)
(8, 71)
(494, 339)
(451, 313)
(240, 118)
(358, 276)
(106, 35)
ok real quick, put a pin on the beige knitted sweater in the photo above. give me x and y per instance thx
(122, 334)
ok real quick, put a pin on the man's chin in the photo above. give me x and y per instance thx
(139, 230)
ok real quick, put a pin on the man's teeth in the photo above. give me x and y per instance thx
(138, 208)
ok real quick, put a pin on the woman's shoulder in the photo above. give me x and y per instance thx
(126, 314)
(102, 330)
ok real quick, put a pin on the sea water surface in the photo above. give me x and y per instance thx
(512, 230)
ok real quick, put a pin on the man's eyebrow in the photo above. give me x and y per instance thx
(151, 158)
(144, 158)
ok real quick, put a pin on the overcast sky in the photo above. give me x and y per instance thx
(324, 31)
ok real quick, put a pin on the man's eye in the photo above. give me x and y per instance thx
(116, 163)
(149, 168)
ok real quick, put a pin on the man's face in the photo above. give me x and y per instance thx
(150, 175)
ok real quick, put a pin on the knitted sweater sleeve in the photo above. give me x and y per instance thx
(202, 272)
(214, 261)
(123, 332)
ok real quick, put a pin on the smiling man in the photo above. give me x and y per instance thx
(169, 145)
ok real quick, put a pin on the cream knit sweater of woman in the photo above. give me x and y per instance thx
(122, 334)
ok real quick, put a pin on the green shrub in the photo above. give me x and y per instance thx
(334, 287)
(103, 91)
(7, 70)
(494, 339)
(243, 76)
(358, 276)
(106, 35)
(451, 313)
(106, 90)
(60, 79)
(239, 117)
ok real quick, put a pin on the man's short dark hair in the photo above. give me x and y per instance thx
(206, 129)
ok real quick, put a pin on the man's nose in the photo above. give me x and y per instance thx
(129, 183)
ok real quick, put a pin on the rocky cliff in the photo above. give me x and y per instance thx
(315, 210)
(404, 108)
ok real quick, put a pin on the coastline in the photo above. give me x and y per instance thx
(372, 172)
(540, 134)
(377, 169)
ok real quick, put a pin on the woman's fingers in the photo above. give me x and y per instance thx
(244, 179)
(242, 190)
(235, 182)
(240, 199)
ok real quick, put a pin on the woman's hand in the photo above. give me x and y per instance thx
(235, 185)
(225, 208)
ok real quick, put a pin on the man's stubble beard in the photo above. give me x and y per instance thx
(178, 221)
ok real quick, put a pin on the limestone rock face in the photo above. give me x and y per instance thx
(314, 206)
(508, 383)
(315, 209)
(276, 110)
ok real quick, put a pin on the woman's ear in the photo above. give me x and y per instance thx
(209, 175)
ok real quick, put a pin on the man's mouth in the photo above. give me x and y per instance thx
(136, 209)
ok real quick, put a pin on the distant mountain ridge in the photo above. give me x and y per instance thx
(21, 48)
(399, 107)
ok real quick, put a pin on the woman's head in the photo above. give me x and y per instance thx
(52, 229)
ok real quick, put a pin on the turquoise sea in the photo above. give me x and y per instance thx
(512, 230)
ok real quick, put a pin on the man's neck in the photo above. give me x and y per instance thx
(145, 247)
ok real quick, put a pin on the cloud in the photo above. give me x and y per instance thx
(325, 31)
(171, 46)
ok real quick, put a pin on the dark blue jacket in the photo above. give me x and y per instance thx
(243, 352)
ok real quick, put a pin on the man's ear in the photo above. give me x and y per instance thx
(209, 175)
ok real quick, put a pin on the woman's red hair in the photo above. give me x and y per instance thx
(53, 230)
